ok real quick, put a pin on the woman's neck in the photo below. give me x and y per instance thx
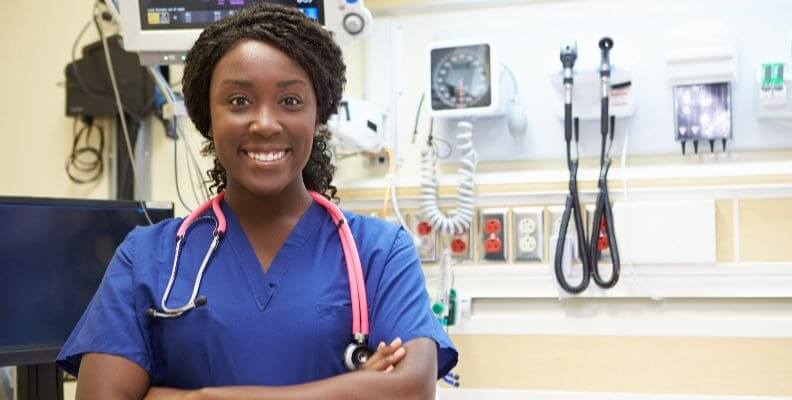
(256, 210)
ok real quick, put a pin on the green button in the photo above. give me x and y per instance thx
(438, 308)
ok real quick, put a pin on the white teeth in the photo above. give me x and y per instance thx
(267, 157)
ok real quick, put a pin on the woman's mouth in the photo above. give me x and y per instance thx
(266, 157)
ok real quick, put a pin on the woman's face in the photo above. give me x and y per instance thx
(263, 111)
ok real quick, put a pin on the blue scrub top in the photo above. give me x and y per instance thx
(286, 326)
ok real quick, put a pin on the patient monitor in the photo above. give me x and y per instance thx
(162, 31)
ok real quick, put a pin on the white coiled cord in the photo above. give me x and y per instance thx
(462, 219)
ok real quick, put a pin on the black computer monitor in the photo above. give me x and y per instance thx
(191, 14)
(53, 254)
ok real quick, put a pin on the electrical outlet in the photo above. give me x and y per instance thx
(425, 237)
(556, 213)
(493, 234)
(460, 245)
(602, 244)
(528, 233)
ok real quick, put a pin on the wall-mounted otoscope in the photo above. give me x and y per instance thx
(572, 211)
(568, 58)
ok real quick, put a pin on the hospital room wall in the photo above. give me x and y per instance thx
(721, 364)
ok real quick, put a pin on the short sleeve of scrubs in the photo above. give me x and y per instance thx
(401, 306)
(111, 324)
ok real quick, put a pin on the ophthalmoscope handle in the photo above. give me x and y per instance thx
(605, 45)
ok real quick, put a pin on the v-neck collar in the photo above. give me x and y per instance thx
(264, 284)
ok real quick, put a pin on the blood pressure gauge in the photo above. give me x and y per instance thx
(461, 80)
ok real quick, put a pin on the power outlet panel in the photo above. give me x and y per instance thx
(556, 213)
(425, 237)
(528, 234)
(605, 251)
(493, 234)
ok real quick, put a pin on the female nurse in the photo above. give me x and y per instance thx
(259, 85)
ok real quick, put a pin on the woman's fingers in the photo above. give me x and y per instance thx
(396, 357)
(385, 356)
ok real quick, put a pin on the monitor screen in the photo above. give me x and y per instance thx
(53, 254)
(197, 14)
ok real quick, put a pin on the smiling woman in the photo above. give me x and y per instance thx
(263, 112)
(312, 51)
(284, 282)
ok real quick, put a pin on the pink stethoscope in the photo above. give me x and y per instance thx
(358, 351)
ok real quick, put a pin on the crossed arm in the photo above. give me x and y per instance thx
(104, 376)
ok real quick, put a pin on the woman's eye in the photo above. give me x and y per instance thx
(291, 101)
(239, 101)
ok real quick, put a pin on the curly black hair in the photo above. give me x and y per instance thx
(303, 40)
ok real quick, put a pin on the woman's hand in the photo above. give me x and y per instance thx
(386, 357)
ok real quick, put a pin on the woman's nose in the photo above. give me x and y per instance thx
(266, 123)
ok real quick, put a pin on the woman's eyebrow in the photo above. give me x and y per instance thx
(247, 83)
(237, 82)
(284, 84)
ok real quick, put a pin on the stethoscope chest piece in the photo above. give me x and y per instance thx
(356, 355)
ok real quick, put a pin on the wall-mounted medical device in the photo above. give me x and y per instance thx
(701, 64)
(358, 126)
(587, 89)
(702, 113)
(162, 31)
(590, 247)
(463, 80)
(774, 79)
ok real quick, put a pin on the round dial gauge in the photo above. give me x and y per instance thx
(461, 79)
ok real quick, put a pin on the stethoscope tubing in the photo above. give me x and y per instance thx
(192, 302)
(357, 289)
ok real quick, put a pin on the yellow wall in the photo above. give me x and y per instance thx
(765, 229)
(672, 365)
(35, 41)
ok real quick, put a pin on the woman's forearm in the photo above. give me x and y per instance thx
(412, 379)
(352, 386)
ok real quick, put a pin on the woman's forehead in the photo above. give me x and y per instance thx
(258, 58)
